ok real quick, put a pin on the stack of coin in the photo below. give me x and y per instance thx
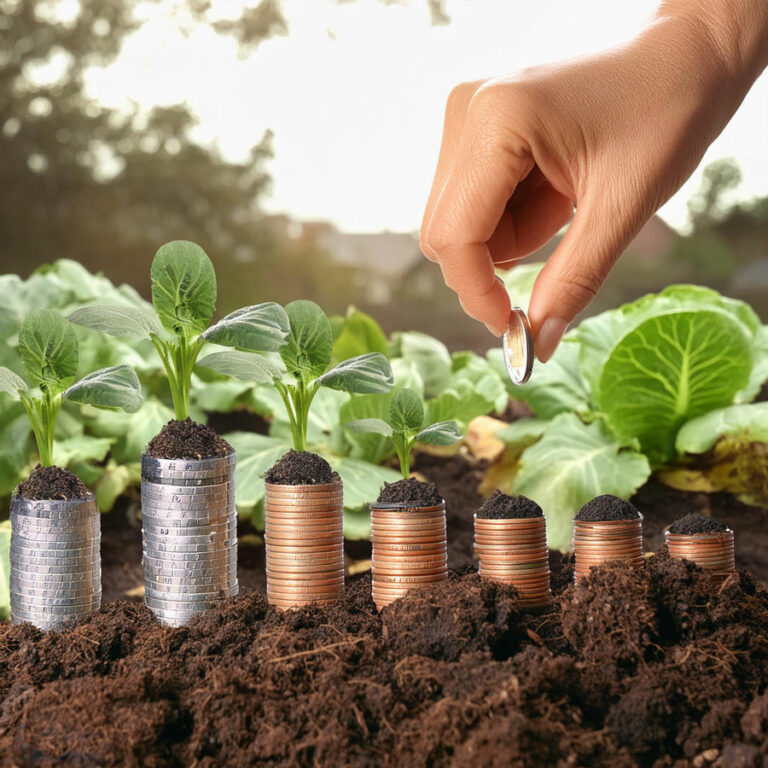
(712, 551)
(409, 549)
(189, 535)
(55, 560)
(602, 541)
(304, 540)
(514, 551)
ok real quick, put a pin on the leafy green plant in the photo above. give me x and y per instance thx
(630, 391)
(48, 349)
(303, 367)
(184, 298)
(406, 426)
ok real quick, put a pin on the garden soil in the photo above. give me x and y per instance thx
(52, 483)
(187, 440)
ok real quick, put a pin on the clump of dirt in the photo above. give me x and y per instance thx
(501, 506)
(607, 507)
(633, 668)
(697, 523)
(187, 440)
(52, 483)
(301, 468)
(410, 491)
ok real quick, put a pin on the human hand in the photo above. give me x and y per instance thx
(613, 135)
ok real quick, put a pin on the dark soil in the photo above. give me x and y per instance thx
(650, 667)
(410, 491)
(52, 483)
(501, 506)
(187, 440)
(607, 507)
(697, 523)
(301, 468)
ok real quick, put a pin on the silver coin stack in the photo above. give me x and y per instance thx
(189, 535)
(55, 560)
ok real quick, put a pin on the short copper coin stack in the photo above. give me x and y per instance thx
(712, 551)
(601, 541)
(304, 540)
(514, 551)
(409, 549)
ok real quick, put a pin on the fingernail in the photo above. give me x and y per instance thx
(493, 330)
(548, 337)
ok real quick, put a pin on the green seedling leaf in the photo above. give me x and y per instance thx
(367, 374)
(749, 422)
(117, 321)
(11, 383)
(367, 426)
(116, 387)
(670, 369)
(48, 350)
(183, 288)
(244, 366)
(406, 412)
(442, 433)
(259, 328)
(307, 351)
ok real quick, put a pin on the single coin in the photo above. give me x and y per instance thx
(517, 347)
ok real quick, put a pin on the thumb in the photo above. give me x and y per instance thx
(574, 273)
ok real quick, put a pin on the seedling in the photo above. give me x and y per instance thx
(184, 299)
(302, 367)
(406, 427)
(49, 355)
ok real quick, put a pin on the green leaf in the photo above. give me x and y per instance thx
(81, 448)
(442, 433)
(183, 288)
(519, 282)
(259, 328)
(220, 396)
(243, 366)
(118, 320)
(670, 369)
(112, 483)
(255, 455)
(5, 570)
(430, 357)
(15, 445)
(11, 383)
(359, 334)
(759, 374)
(748, 421)
(523, 431)
(48, 349)
(367, 426)
(116, 387)
(367, 374)
(367, 446)
(406, 411)
(307, 352)
(571, 464)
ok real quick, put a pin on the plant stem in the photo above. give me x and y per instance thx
(403, 450)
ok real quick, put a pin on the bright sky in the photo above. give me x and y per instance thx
(355, 93)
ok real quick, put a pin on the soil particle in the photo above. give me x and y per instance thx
(52, 483)
(501, 506)
(607, 507)
(187, 440)
(410, 491)
(697, 523)
(301, 468)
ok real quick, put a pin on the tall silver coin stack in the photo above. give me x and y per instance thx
(189, 535)
(55, 560)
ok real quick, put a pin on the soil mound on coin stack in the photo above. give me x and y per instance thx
(187, 440)
(52, 483)
(607, 507)
(410, 491)
(697, 523)
(633, 668)
(501, 506)
(301, 468)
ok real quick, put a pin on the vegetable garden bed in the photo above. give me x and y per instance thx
(659, 660)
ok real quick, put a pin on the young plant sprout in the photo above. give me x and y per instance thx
(302, 367)
(406, 427)
(184, 299)
(49, 355)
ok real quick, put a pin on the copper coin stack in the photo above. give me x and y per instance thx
(409, 549)
(602, 541)
(304, 540)
(712, 551)
(514, 551)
